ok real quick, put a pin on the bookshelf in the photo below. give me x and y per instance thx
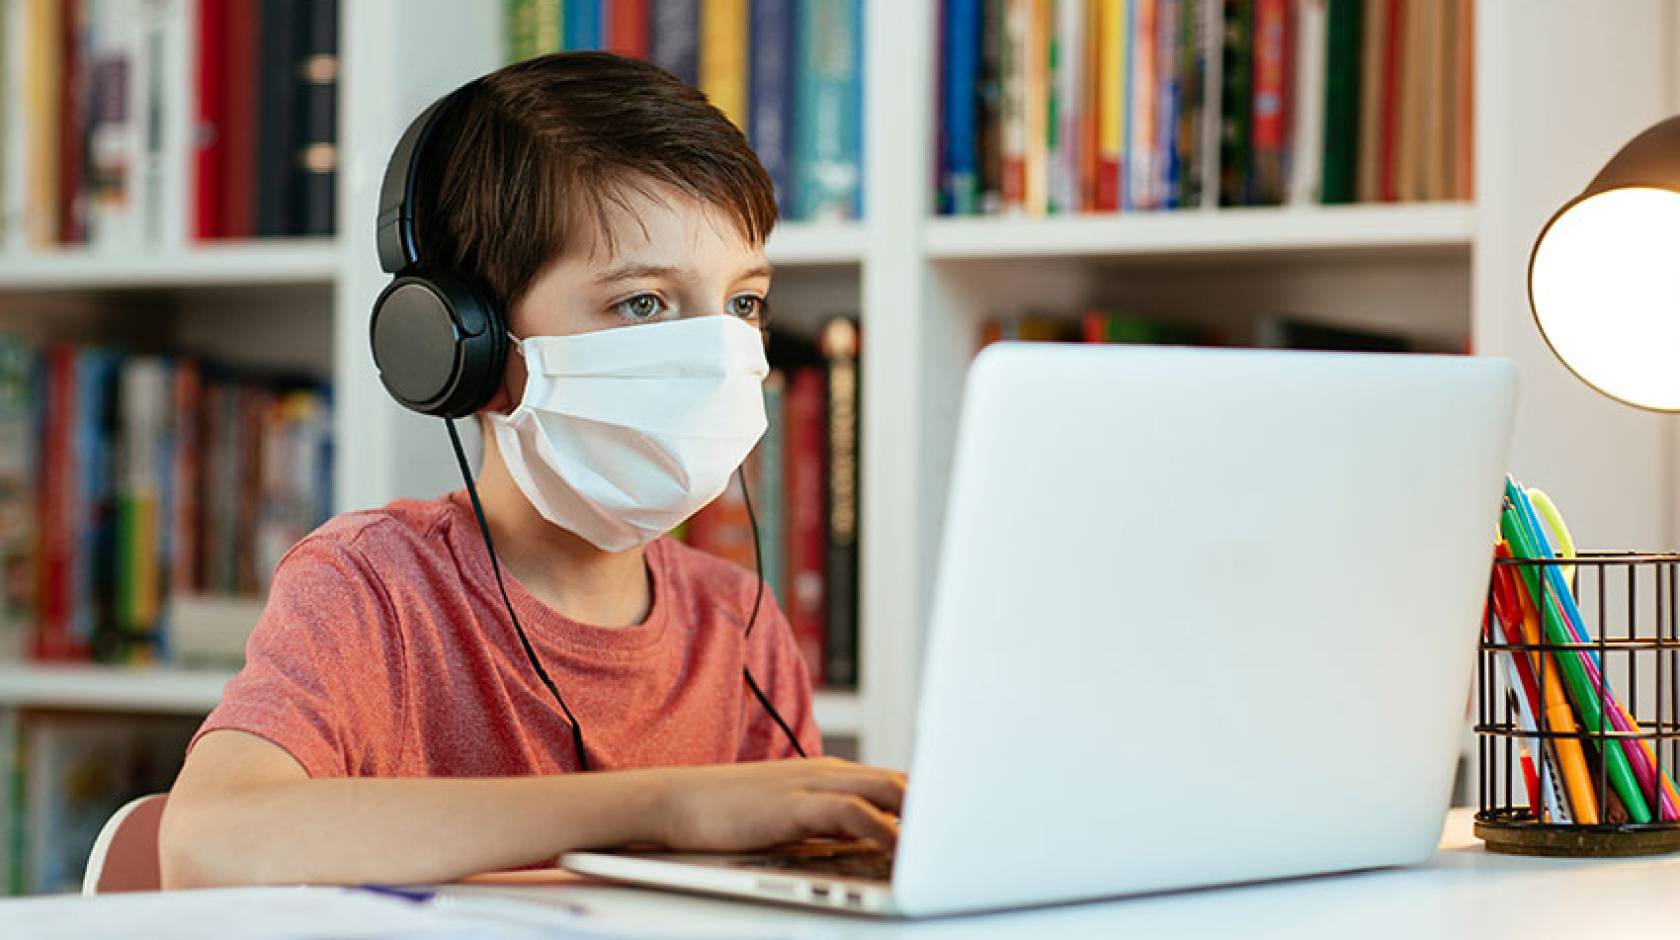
(923, 285)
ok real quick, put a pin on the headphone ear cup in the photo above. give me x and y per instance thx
(439, 343)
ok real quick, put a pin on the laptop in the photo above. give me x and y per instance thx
(1201, 617)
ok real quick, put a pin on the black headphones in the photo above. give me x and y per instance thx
(439, 342)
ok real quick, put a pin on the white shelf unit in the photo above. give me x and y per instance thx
(1559, 85)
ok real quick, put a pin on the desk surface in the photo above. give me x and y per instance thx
(1464, 891)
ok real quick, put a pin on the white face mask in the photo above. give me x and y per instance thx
(623, 433)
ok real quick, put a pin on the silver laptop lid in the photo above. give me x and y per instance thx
(1202, 616)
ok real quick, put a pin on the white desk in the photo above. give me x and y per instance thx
(1463, 892)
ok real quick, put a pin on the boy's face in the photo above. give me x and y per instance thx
(671, 256)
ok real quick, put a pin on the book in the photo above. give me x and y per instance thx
(1067, 65)
(1269, 134)
(804, 420)
(1464, 113)
(580, 28)
(771, 67)
(1306, 150)
(521, 30)
(1342, 95)
(770, 489)
(1143, 135)
(279, 133)
(166, 190)
(1413, 67)
(51, 639)
(828, 136)
(1287, 332)
(243, 58)
(18, 400)
(1012, 106)
(626, 27)
(1373, 71)
(1169, 37)
(990, 117)
(72, 123)
(839, 342)
(43, 101)
(1391, 102)
(17, 112)
(114, 138)
(1197, 120)
(674, 38)
(1035, 109)
(723, 57)
(959, 185)
(1090, 93)
(1236, 103)
(209, 134)
(315, 161)
(1109, 24)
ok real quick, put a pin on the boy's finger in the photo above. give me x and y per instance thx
(885, 792)
(850, 816)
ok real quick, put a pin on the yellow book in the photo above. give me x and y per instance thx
(42, 100)
(723, 57)
(1036, 108)
(548, 19)
(1110, 103)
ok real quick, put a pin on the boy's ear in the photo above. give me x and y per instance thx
(511, 389)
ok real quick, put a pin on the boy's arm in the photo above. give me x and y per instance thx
(244, 811)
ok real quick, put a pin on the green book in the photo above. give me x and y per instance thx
(1341, 103)
(1237, 103)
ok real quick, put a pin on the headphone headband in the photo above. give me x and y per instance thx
(398, 238)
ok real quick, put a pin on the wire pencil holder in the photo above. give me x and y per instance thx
(1578, 750)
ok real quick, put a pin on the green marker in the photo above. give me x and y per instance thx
(1574, 676)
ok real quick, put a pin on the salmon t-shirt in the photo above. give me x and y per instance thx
(385, 650)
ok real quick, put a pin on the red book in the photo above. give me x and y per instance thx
(1388, 143)
(209, 145)
(59, 481)
(72, 125)
(239, 121)
(805, 427)
(627, 27)
(1270, 133)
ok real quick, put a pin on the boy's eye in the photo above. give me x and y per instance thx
(640, 307)
(746, 306)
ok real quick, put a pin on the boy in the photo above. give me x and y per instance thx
(388, 725)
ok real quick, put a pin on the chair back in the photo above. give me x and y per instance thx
(125, 856)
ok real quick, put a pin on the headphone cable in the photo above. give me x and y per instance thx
(531, 654)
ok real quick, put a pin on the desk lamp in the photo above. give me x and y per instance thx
(1604, 277)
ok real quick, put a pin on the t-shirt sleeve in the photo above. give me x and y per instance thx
(774, 659)
(323, 675)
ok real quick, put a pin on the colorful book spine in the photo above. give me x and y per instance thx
(674, 38)
(1168, 40)
(805, 428)
(771, 64)
(1090, 93)
(1210, 131)
(1311, 66)
(72, 117)
(723, 56)
(1142, 137)
(839, 342)
(1464, 87)
(1013, 117)
(1269, 138)
(581, 28)
(1111, 26)
(770, 494)
(1340, 162)
(521, 30)
(1388, 123)
(828, 170)
(278, 133)
(1066, 79)
(43, 101)
(316, 158)
(243, 58)
(18, 474)
(1036, 109)
(626, 27)
(990, 127)
(959, 188)
(1236, 103)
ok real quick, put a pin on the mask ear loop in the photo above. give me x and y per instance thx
(752, 619)
(531, 654)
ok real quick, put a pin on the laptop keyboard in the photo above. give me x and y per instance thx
(870, 864)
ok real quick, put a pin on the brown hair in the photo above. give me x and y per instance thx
(525, 170)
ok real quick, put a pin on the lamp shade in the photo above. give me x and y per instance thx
(1604, 276)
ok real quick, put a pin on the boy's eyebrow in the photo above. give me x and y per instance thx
(631, 271)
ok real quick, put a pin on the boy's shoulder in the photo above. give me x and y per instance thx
(401, 526)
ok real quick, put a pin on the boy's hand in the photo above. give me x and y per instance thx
(740, 807)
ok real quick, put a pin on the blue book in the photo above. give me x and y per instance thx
(828, 137)
(94, 557)
(770, 92)
(580, 28)
(674, 38)
(959, 185)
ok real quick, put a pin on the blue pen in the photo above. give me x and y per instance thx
(1530, 521)
(417, 895)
